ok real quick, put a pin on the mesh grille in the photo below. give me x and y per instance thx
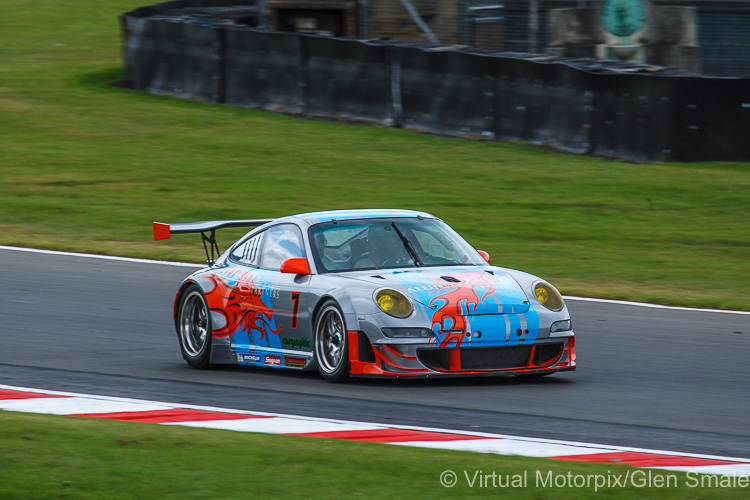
(492, 358)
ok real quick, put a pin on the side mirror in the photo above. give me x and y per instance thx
(295, 266)
(485, 255)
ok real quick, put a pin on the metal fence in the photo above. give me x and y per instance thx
(511, 25)
(497, 25)
(587, 106)
(508, 25)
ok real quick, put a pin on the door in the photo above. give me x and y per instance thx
(276, 329)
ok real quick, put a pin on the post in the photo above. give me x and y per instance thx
(533, 24)
(261, 6)
(363, 17)
(419, 21)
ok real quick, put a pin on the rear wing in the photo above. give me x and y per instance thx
(164, 230)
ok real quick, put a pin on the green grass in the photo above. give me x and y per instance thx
(69, 457)
(87, 166)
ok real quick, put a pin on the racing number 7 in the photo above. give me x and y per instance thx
(295, 308)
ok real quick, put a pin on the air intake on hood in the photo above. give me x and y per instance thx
(451, 279)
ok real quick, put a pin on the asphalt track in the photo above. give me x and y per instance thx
(661, 378)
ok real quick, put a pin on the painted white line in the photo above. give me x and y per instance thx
(103, 257)
(653, 306)
(198, 266)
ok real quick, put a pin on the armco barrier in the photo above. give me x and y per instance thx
(632, 111)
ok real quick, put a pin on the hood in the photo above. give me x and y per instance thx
(472, 291)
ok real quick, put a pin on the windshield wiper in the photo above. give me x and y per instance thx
(408, 246)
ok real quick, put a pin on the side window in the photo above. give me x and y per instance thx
(283, 242)
(248, 253)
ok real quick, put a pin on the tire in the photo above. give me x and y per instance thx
(194, 327)
(330, 343)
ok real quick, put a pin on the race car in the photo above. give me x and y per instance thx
(365, 293)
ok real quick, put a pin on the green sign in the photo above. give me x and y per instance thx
(623, 17)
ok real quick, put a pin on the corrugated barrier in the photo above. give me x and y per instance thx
(631, 111)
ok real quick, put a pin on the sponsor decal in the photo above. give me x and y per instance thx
(295, 342)
(295, 362)
(429, 288)
(248, 358)
(273, 360)
(264, 292)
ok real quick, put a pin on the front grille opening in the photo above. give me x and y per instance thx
(366, 352)
(488, 358)
(491, 358)
(436, 359)
(546, 354)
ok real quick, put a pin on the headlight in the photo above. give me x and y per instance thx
(561, 326)
(409, 333)
(548, 296)
(393, 303)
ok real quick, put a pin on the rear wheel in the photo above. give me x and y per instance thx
(331, 346)
(194, 327)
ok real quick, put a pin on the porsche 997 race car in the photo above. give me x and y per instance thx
(371, 293)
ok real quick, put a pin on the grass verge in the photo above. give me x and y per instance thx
(68, 457)
(87, 166)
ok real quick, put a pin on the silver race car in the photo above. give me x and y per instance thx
(369, 293)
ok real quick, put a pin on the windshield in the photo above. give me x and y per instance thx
(389, 243)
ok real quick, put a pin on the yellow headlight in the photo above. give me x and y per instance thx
(393, 303)
(548, 296)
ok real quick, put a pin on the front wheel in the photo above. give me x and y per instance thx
(194, 327)
(331, 346)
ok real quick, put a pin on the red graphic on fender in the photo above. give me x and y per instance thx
(453, 303)
(241, 304)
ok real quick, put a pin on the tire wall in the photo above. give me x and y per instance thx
(582, 106)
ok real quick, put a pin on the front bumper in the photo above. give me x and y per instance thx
(419, 360)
